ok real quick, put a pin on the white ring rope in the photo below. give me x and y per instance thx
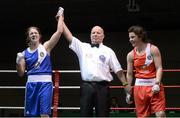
(61, 71)
(65, 108)
(23, 87)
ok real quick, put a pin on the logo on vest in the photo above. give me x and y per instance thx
(37, 64)
(41, 54)
(149, 57)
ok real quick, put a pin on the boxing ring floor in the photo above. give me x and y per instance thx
(67, 94)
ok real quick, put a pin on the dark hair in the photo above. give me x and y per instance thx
(140, 32)
(27, 33)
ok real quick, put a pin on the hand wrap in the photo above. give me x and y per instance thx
(19, 57)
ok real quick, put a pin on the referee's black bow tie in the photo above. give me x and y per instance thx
(95, 45)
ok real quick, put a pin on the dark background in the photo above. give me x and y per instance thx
(161, 18)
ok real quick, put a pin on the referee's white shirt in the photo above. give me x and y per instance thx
(95, 63)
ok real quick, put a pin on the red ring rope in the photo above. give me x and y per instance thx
(127, 108)
(170, 86)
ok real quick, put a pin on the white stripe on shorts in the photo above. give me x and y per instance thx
(145, 82)
(39, 78)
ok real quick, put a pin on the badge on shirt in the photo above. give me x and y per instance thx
(102, 58)
(41, 54)
(149, 57)
(37, 64)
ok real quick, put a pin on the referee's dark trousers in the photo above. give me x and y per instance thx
(94, 94)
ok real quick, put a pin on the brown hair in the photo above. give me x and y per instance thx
(140, 32)
(27, 33)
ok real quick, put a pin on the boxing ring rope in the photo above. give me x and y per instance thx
(76, 87)
(57, 87)
(78, 71)
(78, 108)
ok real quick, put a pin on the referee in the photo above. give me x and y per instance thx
(96, 62)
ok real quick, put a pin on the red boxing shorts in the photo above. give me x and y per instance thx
(146, 102)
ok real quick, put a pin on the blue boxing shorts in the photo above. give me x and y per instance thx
(38, 98)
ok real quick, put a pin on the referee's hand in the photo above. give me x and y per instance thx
(128, 89)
